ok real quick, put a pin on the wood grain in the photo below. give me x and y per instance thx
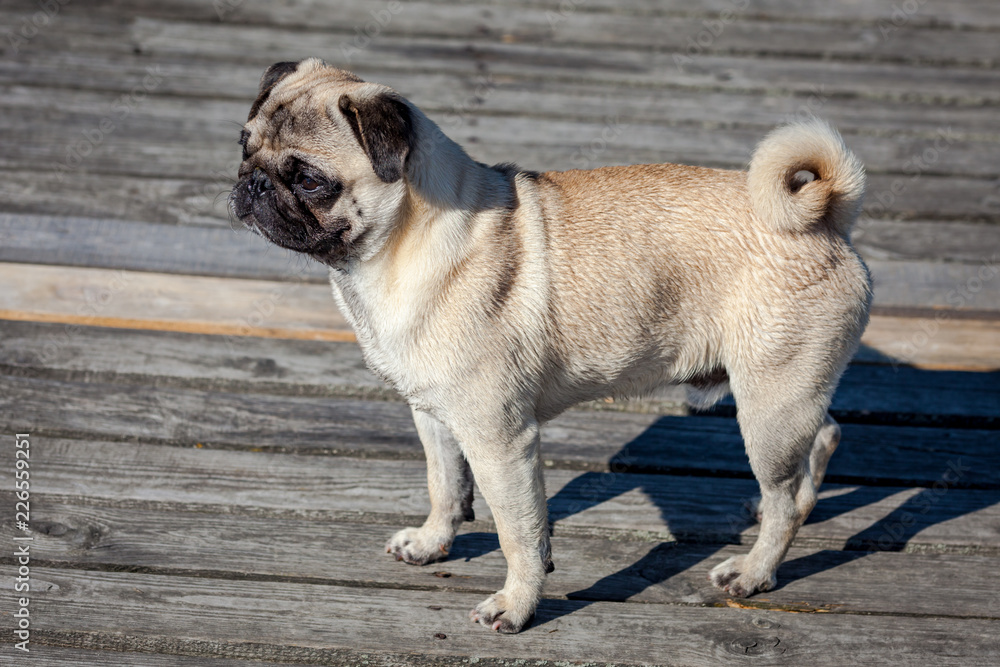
(869, 393)
(317, 551)
(595, 441)
(231, 307)
(620, 505)
(145, 300)
(342, 624)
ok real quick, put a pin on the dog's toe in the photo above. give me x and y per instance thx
(733, 577)
(493, 613)
(416, 547)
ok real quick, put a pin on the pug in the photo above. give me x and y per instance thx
(494, 298)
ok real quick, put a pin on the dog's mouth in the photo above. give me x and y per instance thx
(298, 231)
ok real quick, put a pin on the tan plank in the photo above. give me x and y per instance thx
(100, 537)
(143, 300)
(938, 342)
(337, 625)
(225, 306)
(617, 505)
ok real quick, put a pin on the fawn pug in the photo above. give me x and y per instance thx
(494, 298)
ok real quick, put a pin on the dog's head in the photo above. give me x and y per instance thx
(324, 159)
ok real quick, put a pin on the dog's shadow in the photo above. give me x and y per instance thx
(914, 513)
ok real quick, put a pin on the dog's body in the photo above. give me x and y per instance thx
(493, 299)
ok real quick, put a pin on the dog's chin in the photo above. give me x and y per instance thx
(327, 246)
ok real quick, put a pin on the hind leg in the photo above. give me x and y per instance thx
(825, 443)
(789, 442)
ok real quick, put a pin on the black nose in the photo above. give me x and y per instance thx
(259, 182)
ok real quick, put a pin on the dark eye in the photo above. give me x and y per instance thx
(244, 136)
(307, 183)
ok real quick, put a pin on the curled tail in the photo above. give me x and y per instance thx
(802, 175)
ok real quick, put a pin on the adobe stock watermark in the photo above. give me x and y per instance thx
(381, 17)
(712, 30)
(93, 304)
(22, 542)
(29, 26)
(454, 118)
(963, 295)
(922, 503)
(810, 107)
(78, 151)
(913, 168)
(902, 13)
(566, 9)
(586, 154)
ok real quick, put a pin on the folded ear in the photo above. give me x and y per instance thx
(383, 126)
(271, 77)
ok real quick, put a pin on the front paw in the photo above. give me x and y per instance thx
(502, 613)
(418, 546)
(735, 578)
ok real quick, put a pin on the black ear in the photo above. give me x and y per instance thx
(384, 128)
(271, 77)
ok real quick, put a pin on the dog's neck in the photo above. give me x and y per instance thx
(437, 227)
(441, 174)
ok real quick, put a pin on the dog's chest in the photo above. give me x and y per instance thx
(385, 336)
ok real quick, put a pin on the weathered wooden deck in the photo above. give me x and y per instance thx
(214, 473)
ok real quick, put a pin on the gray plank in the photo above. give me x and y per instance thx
(172, 45)
(188, 200)
(446, 93)
(59, 656)
(316, 551)
(618, 505)
(897, 240)
(899, 455)
(747, 35)
(338, 624)
(146, 246)
(215, 251)
(162, 139)
(200, 200)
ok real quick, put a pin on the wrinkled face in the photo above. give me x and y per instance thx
(324, 156)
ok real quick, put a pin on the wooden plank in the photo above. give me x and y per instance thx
(201, 199)
(60, 656)
(445, 93)
(596, 441)
(144, 300)
(145, 246)
(868, 393)
(237, 547)
(884, 241)
(942, 342)
(214, 251)
(750, 36)
(189, 200)
(237, 307)
(173, 45)
(162, 140)
(977, 14)
(618, 505)
(333, 624)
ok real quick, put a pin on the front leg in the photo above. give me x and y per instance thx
(509, 475)
(449, 481)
